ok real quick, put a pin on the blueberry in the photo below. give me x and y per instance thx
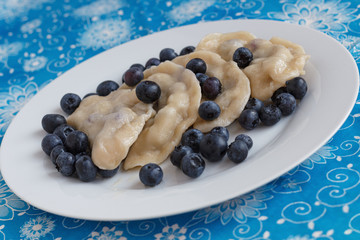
(77, 142)
(78, 155)
(193, 165)
(270, 115)
(211, 88)
(138, 65)
(178, 153)
(237, 151)
(85, 169)
(187, 50)
(222, 131)
(51, 121)
(148, 91)
(65, 163)
(49, 142)
(192, 138)
(213, 147)
(286, 102)
(55, 152)
(108, 173)
(243, 57)
(152, 62)
(133, 76)
(201, 77)
(196, 65)
(88, 95)
(209, 110)
(151, 174)
(255, 104)
(63, 131)
(106, 87)
(277, 92)
(245, 138)
(70, 102)
(167, 54)
(249, 119)
(297, 87)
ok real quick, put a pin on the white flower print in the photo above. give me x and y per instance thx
(35, 63)
(30, 27)
(105, 34)
(325, 16)
(107, 234)
(98, 8)
(189, 10)
(36, 228)
(9, 49)
(10, 9)
(173, 232)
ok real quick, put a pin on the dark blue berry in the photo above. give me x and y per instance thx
(178, 153)
(148, 91)
(193, 165)
(49, 142)
(152, 62)
(77, 142)
(222, 131)
(249, 119)
(106, 87)
(65, 163)
(108, 173)
(63, 131)
(70, 102)
(245, 138)
(270, 115)
(85, 169)
(196, 65)
(55, 152)
(213, 147)
(51, 121)
(237, 151)
(297, 87)
(286, 102)
(277, 92)
(138, 65)
(211, 88)
(187, 50)
(209, 110)
(151, 174)
(201, 77)
(167, 54)
(192, 138)
(78, 155)
(243, 57)
(255, 104)
(133, 76)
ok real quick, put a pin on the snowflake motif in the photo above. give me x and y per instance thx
(189, 10)
(173, 232)
(36, 228)
(98, 8)
(35, 63)
(9, 49)
(107, 234)
(325, 152)
(105, 34)
(9, 203)
(331, 16)
(291, 182)
(13, 101)
(30, 27)
(11, 9)
(238, 209)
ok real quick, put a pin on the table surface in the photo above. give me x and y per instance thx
(40, 40)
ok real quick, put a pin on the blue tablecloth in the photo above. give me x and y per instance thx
(41, 39)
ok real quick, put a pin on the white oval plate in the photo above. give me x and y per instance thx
(332, 76)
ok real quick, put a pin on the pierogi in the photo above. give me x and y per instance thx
(176, 111)
(112, 124)
(235, 88)
(275, 60)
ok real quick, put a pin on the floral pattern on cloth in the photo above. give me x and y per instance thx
(40, 40)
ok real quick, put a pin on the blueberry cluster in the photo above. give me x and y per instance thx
(283, 103)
